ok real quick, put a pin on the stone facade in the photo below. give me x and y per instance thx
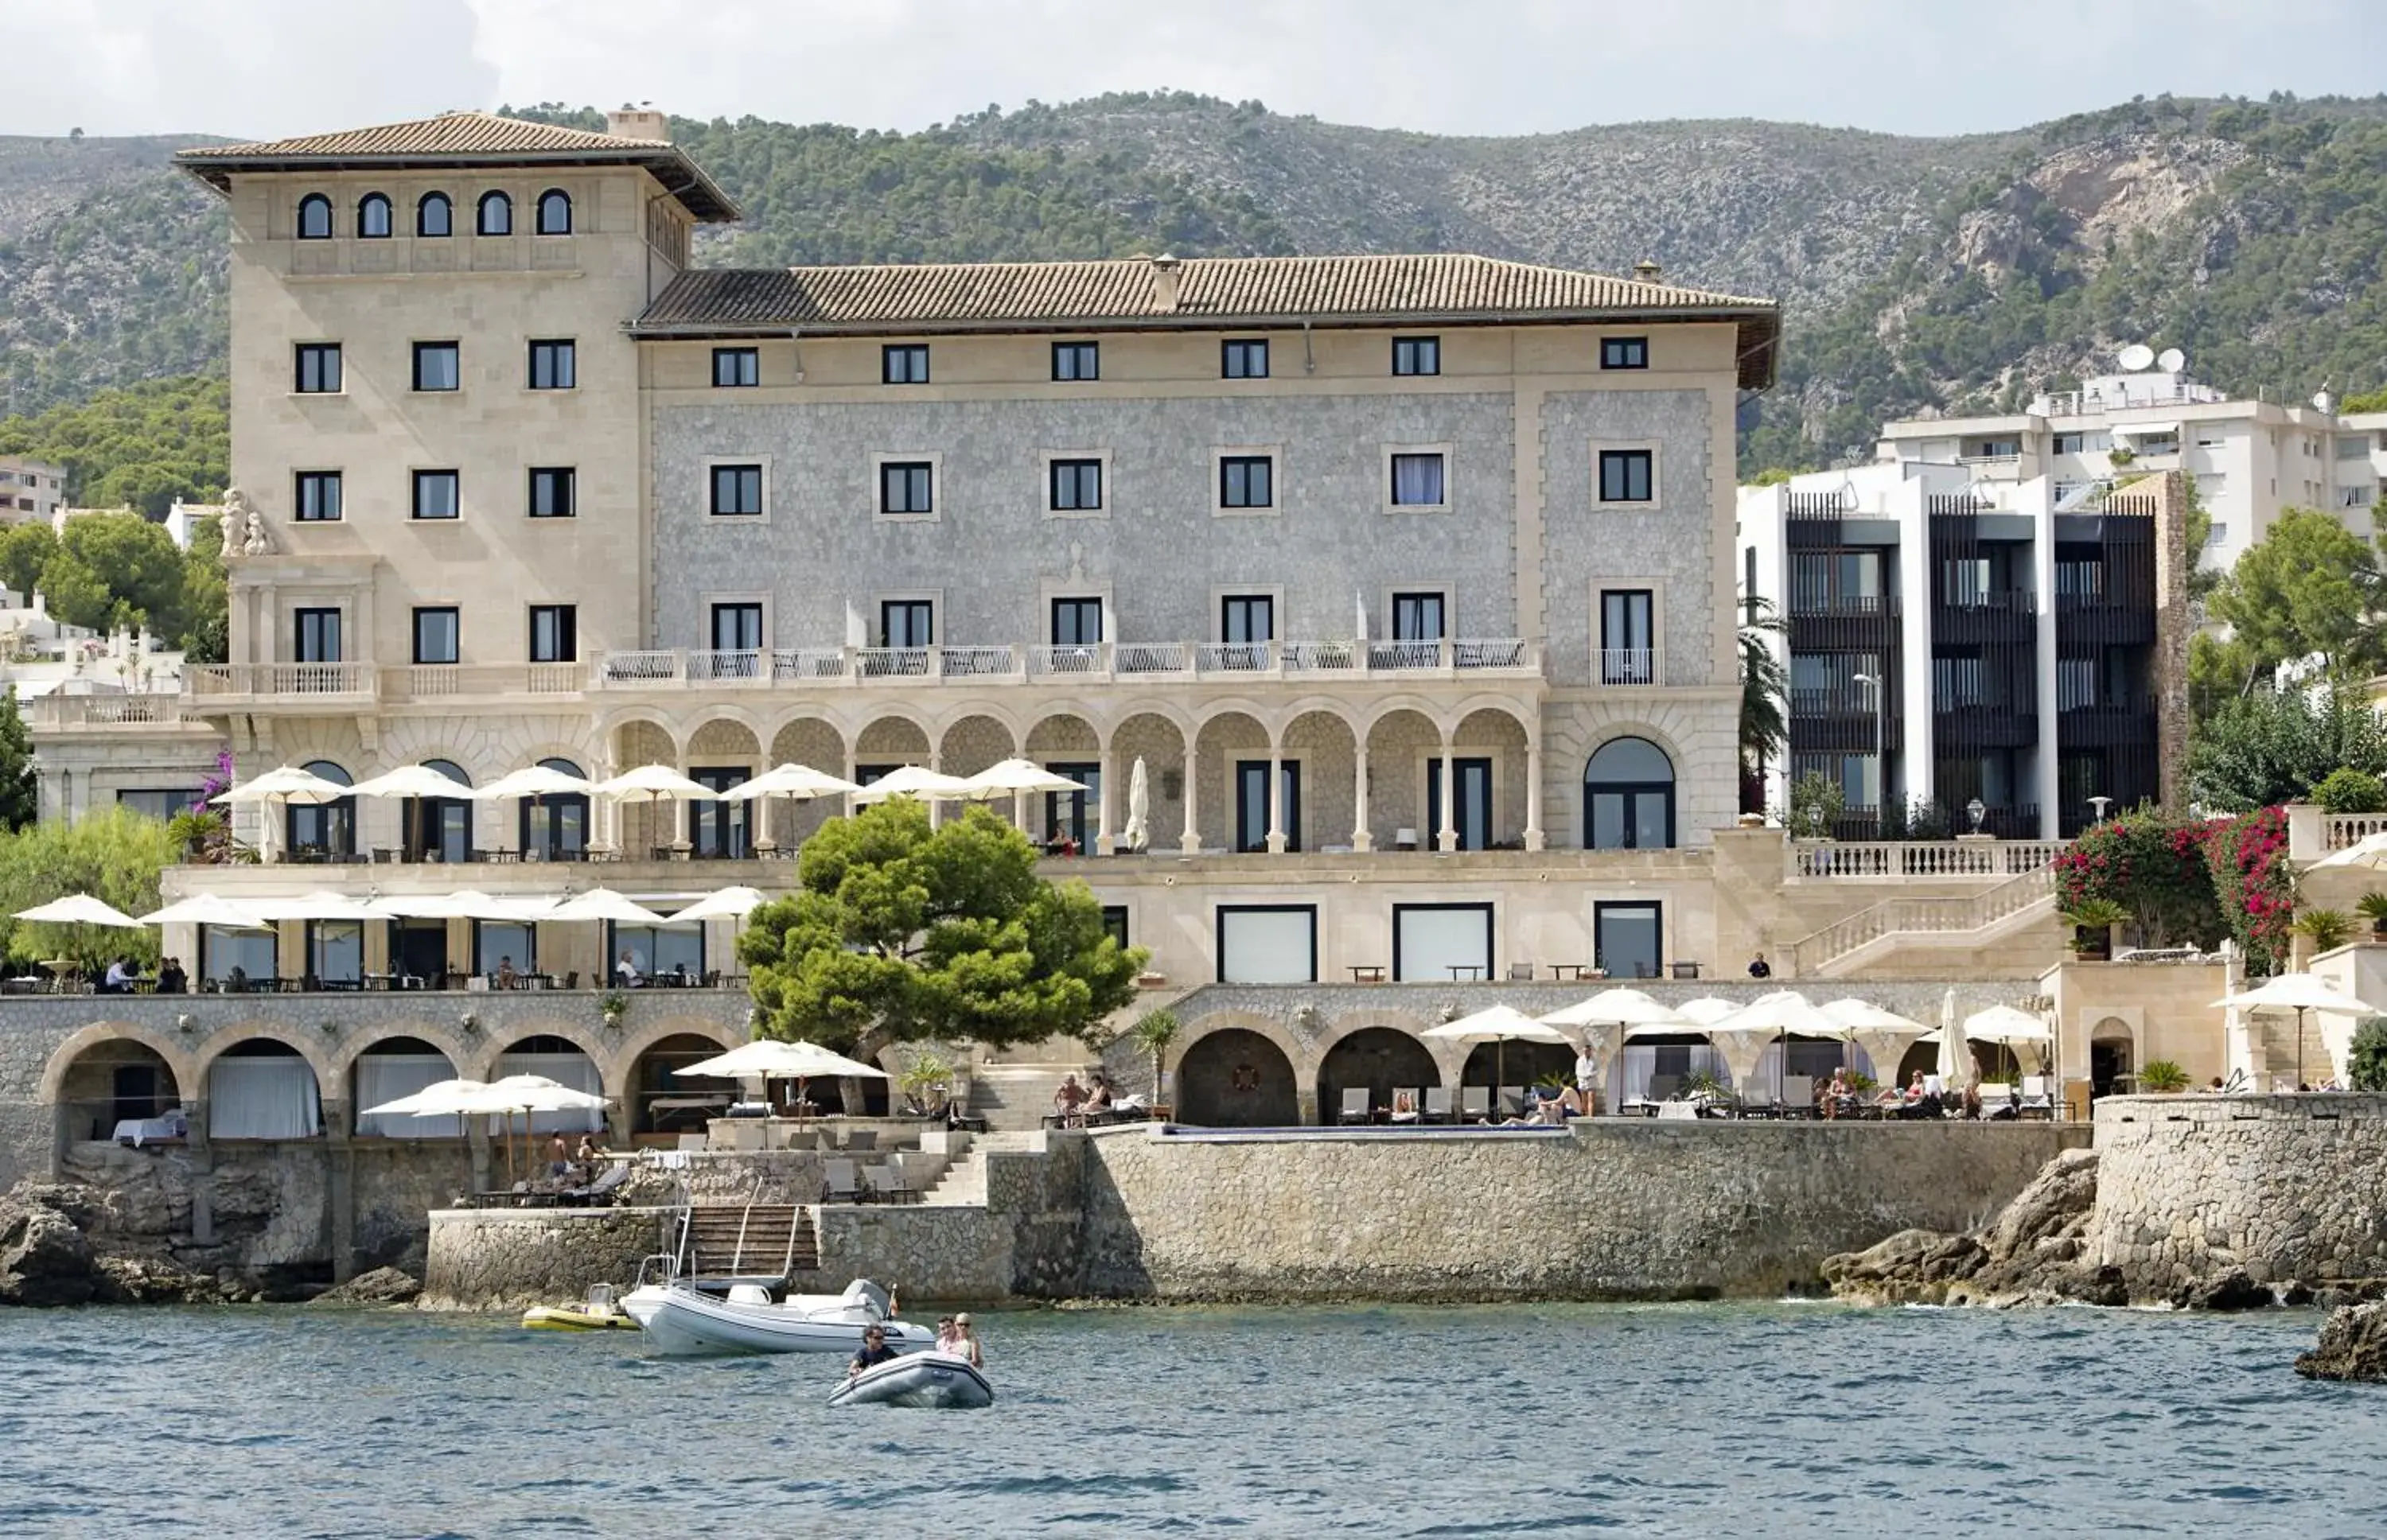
(2284, 1187)
(498, 1258)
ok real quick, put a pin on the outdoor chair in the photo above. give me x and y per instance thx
(1355, 1105)
(1663, 1088)
(1999, 1101)
(695, 1140)
(1474, 1103)
(885, 1183)
(838, 1183)
(862, 1140)
(1512, 1101)
(1440, 1106)
(599, 1192)
(1759, 1104)
(1404, 1104)
(1797, 1096)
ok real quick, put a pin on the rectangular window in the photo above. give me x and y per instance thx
(436, 635)
(1624, 475)
(554, 633)
(1418, 481)
(678, 950)
(1076, 622)
(554, 365)
(1439, 943)
(719, 830)
(437, 366)
(1252, 808)
(437, 495)
(319, 368)
(736, 627)
(908, 487)
(1070, 817)
(1624, 352)
(318, 496)
(1244, 360)
(1418, 617)
(335, 952)
(1628, 653)
(1077, 361)
(907, 623)
(1470, 819)
(904, 363)
(1417, 355)
(737, 490)
(1247, 481)
(1627, 940)
(2071, 442)
(1248, 618)
(498, 945)
(551, 492)
(737, 366)
(318, 635)
(1267, 944)
(1077, 485)
(160, 805)
(1115, 924)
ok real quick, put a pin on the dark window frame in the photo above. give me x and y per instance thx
(904, 363)
(1230, 464)
(912, 608)
(1461, 766)
(368, 203)
(1627, 462)
(1624, 352)
(1084, 361)
(561, 357)
(563, 620)
(1073, 472)
(550, 479)
(1077, 606)
(1414, 600)
(742, 611)
(1417, 357)
(916, 474)
(326, 623)
(420, 480)
(423, 219)
(1289, 778)
(539, 211)
(1236, 356)
(745, 368)
(1611, 671)
(504, 205)
(455, 616)
(745, 471)
(1491, 932)
(1392, 477)
(455, 351)
(313, 203)
(307, 492)
(309, 360)
(1230, 603)
(1599, 912)
(1218, 931)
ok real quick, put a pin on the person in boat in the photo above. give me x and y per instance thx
(874, 1352)
(969, 1349)
(950, 1338)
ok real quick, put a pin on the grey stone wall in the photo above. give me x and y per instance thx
(2285, 1187)
(1612, 1209)
(486, 1258)
(1160, 550)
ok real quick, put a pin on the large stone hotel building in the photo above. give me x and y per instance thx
(1409, 580)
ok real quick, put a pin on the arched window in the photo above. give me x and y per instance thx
(440, 828)
(1628, 796)
(554, 825)
(434, 215)
(495, 216)
(373, 218)
(555, 212)
(323, 831)
(314, 218)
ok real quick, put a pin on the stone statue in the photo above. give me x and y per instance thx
(243, 526)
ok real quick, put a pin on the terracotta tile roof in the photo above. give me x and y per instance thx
(462, 139)
(1212, 293)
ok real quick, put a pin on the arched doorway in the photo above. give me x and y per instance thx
(2113, 1056)
(1517, 1064)
(120, 1081)
(554, 827)
(395, 1067)
(664, 1102)
(323, 831)
(1628, 796)
(440, 828)
(561, 1060)
(1379, 1060)
(1236, 1078)
(261, 1089)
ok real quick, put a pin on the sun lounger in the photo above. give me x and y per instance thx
(1797, 1096)
(599, 1192)
(840, 1183)
(1404, 1104)
(1512, 1101)
(1474, 1103)
(1441, 1106)
(694, 1140)
(1355, 1105)
(862, 1138)
(1663, 1088)
(885, 1183)
(1759, 1104)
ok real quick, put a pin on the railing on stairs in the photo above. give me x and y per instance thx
(1942, 917)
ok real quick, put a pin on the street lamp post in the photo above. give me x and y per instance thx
(1880, 764)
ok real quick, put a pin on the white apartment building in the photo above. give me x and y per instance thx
(2249, 458)
(31, 489)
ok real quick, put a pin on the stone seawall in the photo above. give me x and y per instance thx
(1612, 1209)
(500, 1258)
(2285, 1188)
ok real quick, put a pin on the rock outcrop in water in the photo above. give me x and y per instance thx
(381, 1286)
(63, 1242)
(2030, 1254)
(2353, 1345)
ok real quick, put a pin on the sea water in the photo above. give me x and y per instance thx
(1656, 1419)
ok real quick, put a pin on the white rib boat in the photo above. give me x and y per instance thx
(932, 1379)
(683, 1321)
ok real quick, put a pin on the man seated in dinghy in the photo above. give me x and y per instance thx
(875, 1351)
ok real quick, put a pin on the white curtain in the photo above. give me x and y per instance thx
(1268, 946)
(1417, 480)
(1429, 940)
(574, 1070)
(1629, 1073)
(271, 1097)
(385, 1077)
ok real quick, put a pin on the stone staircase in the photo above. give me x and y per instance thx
(963, 1182)
(1015, 1098)
(1872, 937)
(750, 1239)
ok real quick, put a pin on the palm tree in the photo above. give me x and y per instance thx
(1155, 1031)
(1764, 690)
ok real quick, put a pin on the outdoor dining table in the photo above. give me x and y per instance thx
(1367, 973)
(1469, 971)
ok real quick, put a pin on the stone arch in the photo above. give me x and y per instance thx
(1159, 739)
(1234, 1077)
(1392, 705)
(1378, 1059)
(1227, 734)
(1121, 713)
(1297, 1051)
(1448, 1055)
(648, 1033)
(895, 736)
(974, 740)
(1629, 800)
(647, 1074)
(813, 740)
(1062, 731)
(636, 730)
(315, 1048)
(271, 1106)
(497, 1043)
(521, 1041)
(1403, 743)
(359, 1095)
(1493, 730)
(1322, 740)
(343, 1056)
(2113, 1050)
(730, 733)
(1212, 712)
(177, 1058)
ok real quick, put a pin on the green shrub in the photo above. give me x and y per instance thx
(2163, 1075)
(1816, 803)
(2329, 928)
(2349, 790)
(2368, 1061)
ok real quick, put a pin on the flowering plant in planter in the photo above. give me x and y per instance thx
(2152, 868)
(2256, 886)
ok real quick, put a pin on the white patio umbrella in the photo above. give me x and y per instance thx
(208, 909)
(604, 903)
(2009, 1028)
(655, 782)
(2370, 852)
(1620, 1008)
(469, 904)
(914, 780)
(773, 1060)
(410, 780)
(797, 783)
(459, 1098)
(1499, 1024)
(532, 781)
(1776, 1018)
(283, 784)
(321, 904)
(78, 909)
(1137, 835)
(535, 1093)
(1011, 778)
(1883, 1034)
(1708, 1011)
(728, 904)
(2298, 993)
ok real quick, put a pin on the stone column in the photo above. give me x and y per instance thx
(1191, 840)
(203, 1166)
(936, 808)
(1276, 797)
(1446, 836)
(340, 1162)
(1105, 842)
(1304, 1097)
(1361, 840)
(1533, 839)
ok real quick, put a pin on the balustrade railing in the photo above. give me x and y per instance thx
(1810, 953)
(1628, 665)
(1910, 860)
(69, 710)
(634, 669)
(2344, 831)
(216, 679)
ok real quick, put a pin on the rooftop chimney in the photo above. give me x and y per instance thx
(642, 122)
(1646, 269)
(1164, 282)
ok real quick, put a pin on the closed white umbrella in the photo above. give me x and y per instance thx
(1955, 1056)
(729, 903)
(78, 909)
(913, 780)
(208, 909)
(1137, 835)
(2298, 993)
(1011, 778)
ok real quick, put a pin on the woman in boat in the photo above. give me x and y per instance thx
(969, 1349)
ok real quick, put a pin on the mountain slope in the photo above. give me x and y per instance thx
(1918, 274)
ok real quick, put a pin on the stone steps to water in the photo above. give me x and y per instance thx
(738, 1239)
(1016, 1098)
(963, 1182)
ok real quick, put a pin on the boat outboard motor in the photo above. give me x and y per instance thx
(865, 1295)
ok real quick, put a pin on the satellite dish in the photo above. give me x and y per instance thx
(2137, 356)
(2171, 359)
